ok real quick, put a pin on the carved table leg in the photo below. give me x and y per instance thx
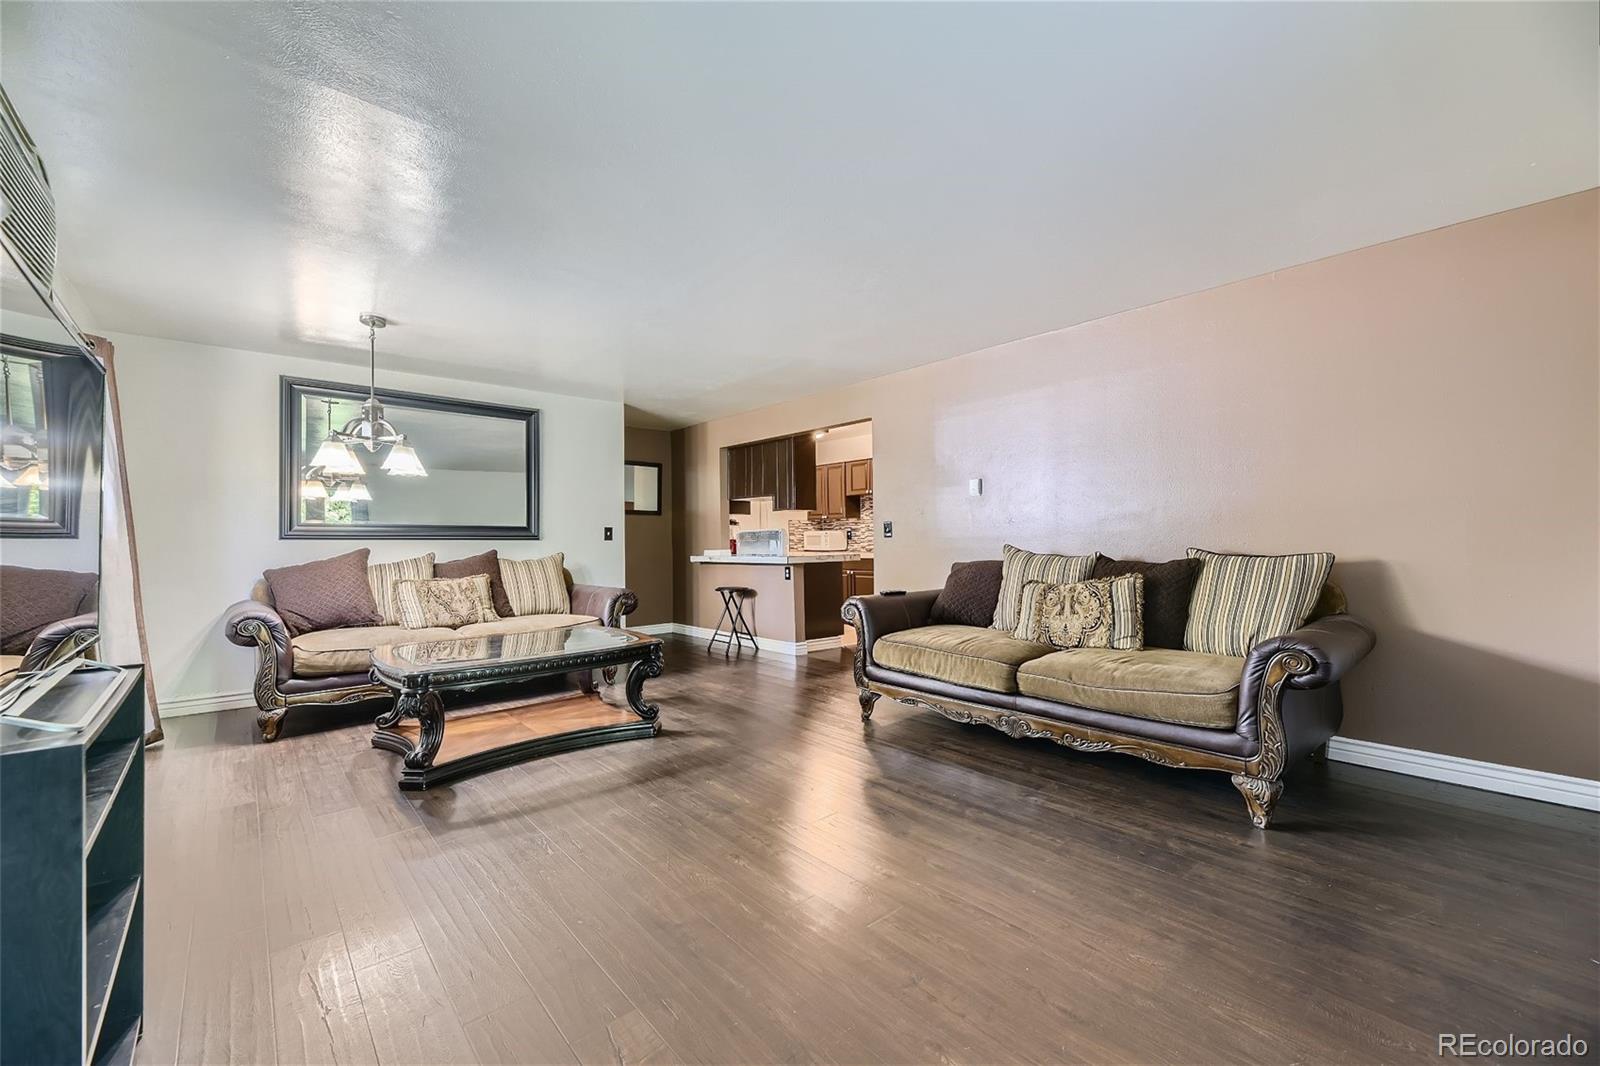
(269, 722)
(430, 716)
(405, 706)
(1260, 796)
(645, 668)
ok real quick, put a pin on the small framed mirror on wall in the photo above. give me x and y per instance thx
(641, 491)
(408, 466)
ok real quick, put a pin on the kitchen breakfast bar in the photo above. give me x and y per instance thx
(797, 596)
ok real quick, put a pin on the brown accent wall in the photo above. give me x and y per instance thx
(649, 552)
(1426, 409)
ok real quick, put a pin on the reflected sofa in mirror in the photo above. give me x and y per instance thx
(472, 470)
(52, 411)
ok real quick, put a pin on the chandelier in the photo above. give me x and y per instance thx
(20, 465)
(336, 464)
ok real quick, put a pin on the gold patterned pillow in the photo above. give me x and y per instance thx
(1019, 567)
(444, 601)
(1106, 612)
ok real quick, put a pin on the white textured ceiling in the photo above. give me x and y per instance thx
(700, 209)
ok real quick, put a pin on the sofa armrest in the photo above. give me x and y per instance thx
(252, 624)
(1330, 646)
(878, 616)
(606, 602)
(58, 640)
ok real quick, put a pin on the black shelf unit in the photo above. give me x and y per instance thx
(72, 874)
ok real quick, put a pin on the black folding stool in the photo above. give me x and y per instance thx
(733, 597)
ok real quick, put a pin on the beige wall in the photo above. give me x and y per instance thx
(649, 537)
(1424, 408)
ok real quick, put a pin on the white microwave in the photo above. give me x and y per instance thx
(826, 540)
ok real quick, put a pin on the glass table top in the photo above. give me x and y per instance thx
(500, 648)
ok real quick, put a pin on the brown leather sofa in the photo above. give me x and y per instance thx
(332, 667)
(53, 615)
(1248, 717)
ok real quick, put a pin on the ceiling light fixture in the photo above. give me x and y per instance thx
(371, 429)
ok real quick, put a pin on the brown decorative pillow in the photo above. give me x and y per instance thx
(1167, 589)
(32, 599)
(1103, 613)
(969, 594)
(444, 601)
(326, 594)
(487, 564)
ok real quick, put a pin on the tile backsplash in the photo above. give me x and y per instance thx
(860, 529)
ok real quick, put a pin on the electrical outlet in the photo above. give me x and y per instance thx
(788, 573)
(608, 532)
(888, 531)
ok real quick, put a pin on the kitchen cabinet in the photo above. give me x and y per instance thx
(833, 493)
(780, 468)
(857, 578)
(858, 477)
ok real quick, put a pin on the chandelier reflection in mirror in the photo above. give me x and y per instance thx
(335, 472)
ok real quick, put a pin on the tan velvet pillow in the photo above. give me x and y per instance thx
(1105, 612)
(444, 601)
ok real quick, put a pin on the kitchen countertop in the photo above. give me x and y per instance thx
(780, 560)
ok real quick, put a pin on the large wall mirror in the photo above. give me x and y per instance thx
(641, 487)
(472, 470)
(52, 425)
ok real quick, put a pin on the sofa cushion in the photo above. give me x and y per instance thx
(532, 623)
(1241, 600)
(974, 656)
(969, 595)
(1159, 684)
(536, 586)
(9, 663)
(444, 601)
(1105, 612)
(326, 652)
(324, 594)
(487, 563)
(31, 599)
(1168, 587)
(1020, 567)
(386, 577)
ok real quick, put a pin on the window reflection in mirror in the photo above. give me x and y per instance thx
(641, 487)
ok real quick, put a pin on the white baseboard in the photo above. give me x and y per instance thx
(779, 647)
(657, 629)
(1491, 777)
(181, 706)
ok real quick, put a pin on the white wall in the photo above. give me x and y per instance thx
(201, 430)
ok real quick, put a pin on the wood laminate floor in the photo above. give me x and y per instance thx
(766, 882)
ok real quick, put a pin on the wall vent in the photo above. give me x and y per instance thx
(27, 210)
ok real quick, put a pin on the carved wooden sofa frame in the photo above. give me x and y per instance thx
(1289, 702)
(253, 623)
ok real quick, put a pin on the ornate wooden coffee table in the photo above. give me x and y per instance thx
(418, 673)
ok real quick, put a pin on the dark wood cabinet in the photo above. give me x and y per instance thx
(858, 477)
(781, 468)
(835, 498)
(858, 578)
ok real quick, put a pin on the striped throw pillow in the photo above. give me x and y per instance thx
(536, 586)
(444, 601)
(1020, 567)
(1241, 600)
(1105, 612)
(383, 577)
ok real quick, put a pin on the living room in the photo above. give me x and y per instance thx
(785, 532)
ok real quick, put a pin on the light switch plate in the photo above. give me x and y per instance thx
(608, 532)
(975, 487)
(888, 531)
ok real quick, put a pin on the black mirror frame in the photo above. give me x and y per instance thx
(289, 474)
(642, 462)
